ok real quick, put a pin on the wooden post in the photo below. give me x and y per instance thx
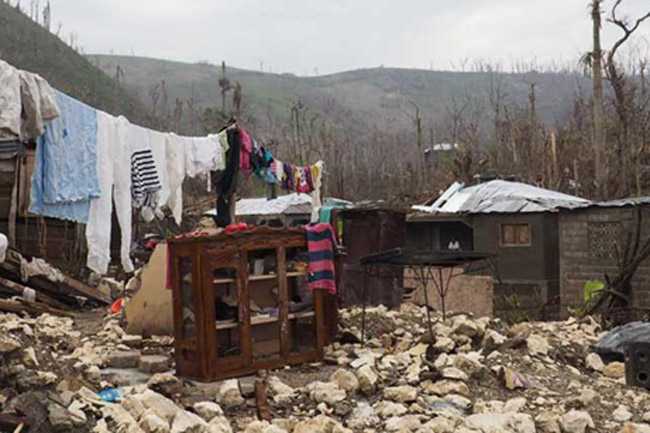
(321, 329)
(283, 295)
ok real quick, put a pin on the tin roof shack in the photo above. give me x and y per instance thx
(516, 222)
(364, 230)
(290, 210)
(589, 240)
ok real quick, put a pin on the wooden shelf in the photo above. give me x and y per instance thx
(223, 281)
(265, 277)
(229, 324)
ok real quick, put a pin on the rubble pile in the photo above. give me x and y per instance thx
(476, 375)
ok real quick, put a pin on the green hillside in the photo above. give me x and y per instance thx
(376, 98)
(27, 45)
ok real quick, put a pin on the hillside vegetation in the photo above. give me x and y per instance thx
(27, 45)
(379, 98)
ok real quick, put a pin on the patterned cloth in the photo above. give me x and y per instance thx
(321, 244)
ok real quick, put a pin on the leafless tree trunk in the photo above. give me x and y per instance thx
(598, 137)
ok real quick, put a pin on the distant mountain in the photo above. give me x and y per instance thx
(379, 98)
(27, 45)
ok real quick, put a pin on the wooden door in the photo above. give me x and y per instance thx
(224, 298)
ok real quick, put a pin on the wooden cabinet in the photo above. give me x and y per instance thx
(241, 303)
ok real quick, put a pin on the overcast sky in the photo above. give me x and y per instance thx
(326, 36)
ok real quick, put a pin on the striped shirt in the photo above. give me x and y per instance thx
(144, 177)
(321, 243)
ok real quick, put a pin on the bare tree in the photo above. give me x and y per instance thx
(622, 91)
(595, 60)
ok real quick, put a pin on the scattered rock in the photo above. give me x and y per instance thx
(325, 392)
(594, 362)
(615, 370)
(229, 394)
(123, 359)
(635, 428)
(345, 380)
(501, 422)
(188, 422)
(159, 404)
(622, 414)
(367, 379)
(387, 409)
(576, 422)
(401, 394)
(152, 423)
(363, 416)
(153, 364)
(537, 345)
(207, 410)
(548, 422)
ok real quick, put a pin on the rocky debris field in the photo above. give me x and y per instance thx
(471, 376)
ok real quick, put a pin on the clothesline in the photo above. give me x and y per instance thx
(89, 163)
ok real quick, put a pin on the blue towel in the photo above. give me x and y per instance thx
(65, 172)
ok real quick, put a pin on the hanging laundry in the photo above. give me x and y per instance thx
(27, 102)
(65, 176)
(113, 165)
(278, 170)
(317, 181)
(39, 104)
(321, 244)
(144, 177)
(176, 174)
(10, 101)
(158, 142)
(145, 174)
(227, 182)
(203, 154)
(246, 149)
(288, 181)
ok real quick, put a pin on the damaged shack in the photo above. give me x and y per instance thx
(593, 242)
(518, 224)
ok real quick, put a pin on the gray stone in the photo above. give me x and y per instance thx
(325, 392)
(153, 364)
(401, 394)
(123, 359)
(363, 416)
(594, 362)
(207, 410)
(387, 409)
(188, 422)
(548, 422)
(537, 345)
(501, 422)
(152, 423)
(345, 380)
(622, 414)
(229, 394)
(408, 423)
(576, 421)
(159, 404)
(367, 379)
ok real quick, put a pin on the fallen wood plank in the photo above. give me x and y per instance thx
(33, 308)
(81, 289)
(18, 289)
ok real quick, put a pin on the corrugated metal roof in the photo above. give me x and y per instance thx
(290, 204)
(500, 196)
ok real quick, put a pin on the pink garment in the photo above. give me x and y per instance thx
(245, 151)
